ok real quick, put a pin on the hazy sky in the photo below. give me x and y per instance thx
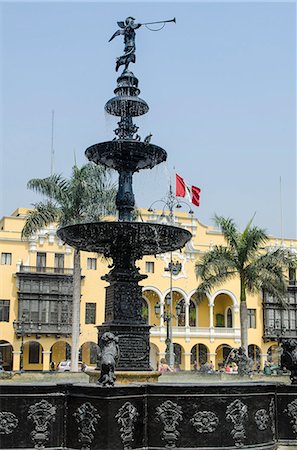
(221, 86)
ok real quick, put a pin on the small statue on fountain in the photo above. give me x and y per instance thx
(109, 357)
(289, 358)
(127, 28)
(242, 360)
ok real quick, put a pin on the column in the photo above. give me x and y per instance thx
(263, 358)
(16, 360)
(46, 361)
(210, 314)
(187, 306)
(162, 311)
(212, 357)
(187, 361)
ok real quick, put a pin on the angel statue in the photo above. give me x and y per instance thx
(128, 30)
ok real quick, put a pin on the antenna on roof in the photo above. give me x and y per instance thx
(52, 143)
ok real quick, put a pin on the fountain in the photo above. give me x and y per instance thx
(148, 415)
(126, 241)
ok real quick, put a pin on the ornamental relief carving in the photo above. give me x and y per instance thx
(126, 418)
(42, 414)
(272, 416)
(170, 414)
(86, 417)
(236, 413)
(8, 422)
(291, 410)
(262, 419)
(205, 421)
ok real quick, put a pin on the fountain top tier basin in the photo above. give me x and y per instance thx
(136, 238)
(126, 154)
(127, 103)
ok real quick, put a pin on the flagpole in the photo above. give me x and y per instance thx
(281, 209)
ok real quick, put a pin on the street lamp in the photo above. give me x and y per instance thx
(279, 331)
(169, 203)
(20, 327)
(167, 317)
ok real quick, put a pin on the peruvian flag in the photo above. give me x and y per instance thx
(183, 189)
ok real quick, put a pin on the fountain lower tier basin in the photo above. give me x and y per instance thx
(148, 416)
(126, 155)
(135, 238)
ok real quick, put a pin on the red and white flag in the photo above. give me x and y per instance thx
(183, 189)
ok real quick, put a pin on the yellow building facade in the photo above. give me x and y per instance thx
(36, 289)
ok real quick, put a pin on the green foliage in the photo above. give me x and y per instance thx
(245, 256)
(86, 196)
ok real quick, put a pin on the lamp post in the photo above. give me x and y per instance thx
(169, 203)
(20, 326)
(167, 317)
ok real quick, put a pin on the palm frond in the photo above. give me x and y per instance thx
(41, 216)
(211, 282)
(229, 230)
(218, 260)
(54, 187)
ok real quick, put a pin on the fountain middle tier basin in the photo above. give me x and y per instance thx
(137, 238)
(126, 154)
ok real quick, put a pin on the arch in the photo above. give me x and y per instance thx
(153, 289)
(88, 353)
(222, 301)
(175, 289)
(222, 354)
(254, 353)
(6, 350)
(60, 351)
(226, 292)
(32, 355)
(273, 354)
(199, 353)
(179, 355)
(154, 356)
(145, 310)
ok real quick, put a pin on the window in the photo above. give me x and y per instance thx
(229, 318)
(59, 262)
(4, 310)
(220, 320)
(92, 263)
(34, 350)
(6, 259)
(149, 267)
(90, 313)
(251, 318)
(41, 261)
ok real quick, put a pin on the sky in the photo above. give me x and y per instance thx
(220, 83)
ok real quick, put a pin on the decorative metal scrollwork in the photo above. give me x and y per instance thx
(237, 413)
(272, 417)
(291, 410)
(42, 414)
(262, 419)
(205, 421)
(8, 422)
(87, 417)
(126, 418)
(170, 414)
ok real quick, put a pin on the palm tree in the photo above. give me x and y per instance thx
(87, 195)
(245, 257)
